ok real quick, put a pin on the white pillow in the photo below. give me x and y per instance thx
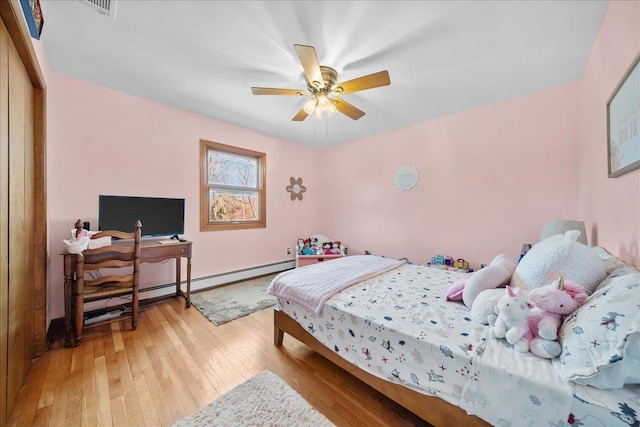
(560, 255)
(601, 339)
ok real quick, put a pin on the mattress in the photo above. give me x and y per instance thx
(398, 326)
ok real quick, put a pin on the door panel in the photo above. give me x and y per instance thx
(4, 214)
(20, 301)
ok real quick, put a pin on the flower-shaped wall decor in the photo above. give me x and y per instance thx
(296, 188)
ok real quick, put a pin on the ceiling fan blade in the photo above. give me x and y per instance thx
(347, 109)
(300, 116)
(378, 79)
(274, 91)
(310, 64)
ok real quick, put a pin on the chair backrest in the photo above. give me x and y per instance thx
(126, 254)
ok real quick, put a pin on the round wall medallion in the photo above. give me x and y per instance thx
(406, 177)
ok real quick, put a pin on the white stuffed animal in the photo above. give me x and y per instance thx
(511, 323)
(560, 254)
(480, 291)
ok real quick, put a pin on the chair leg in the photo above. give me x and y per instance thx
(79, 318)
(134, 309)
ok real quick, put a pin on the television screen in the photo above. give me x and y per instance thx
(159, 216)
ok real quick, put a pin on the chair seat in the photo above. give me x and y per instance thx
(107, 290)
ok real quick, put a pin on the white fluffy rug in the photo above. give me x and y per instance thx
(264, 400)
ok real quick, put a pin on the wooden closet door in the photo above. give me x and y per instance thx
(20, 225)
(23, 210)
(4, 214)
(16, 292)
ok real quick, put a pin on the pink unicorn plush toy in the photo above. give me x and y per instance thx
(552, 302)
(511, 323)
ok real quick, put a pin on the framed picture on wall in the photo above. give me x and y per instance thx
(623, 123)
(33, 16)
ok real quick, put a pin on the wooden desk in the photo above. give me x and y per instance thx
(150, 251)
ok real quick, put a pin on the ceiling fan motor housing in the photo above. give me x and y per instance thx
(330, 77)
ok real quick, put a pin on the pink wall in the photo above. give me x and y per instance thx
(610, 206)
(105, 142)
(491, 176)
(489, 179)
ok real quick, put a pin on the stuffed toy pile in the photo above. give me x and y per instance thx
(311, 246)
(531, 322)
(547, 276)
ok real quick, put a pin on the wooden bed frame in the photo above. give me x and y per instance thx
(432, 409)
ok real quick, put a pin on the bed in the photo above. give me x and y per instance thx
(395, 331)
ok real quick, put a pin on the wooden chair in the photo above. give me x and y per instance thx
(91, 284)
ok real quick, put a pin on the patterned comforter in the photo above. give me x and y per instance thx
(399, 327)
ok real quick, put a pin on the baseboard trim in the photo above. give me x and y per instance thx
(153, 294)
(220, 279)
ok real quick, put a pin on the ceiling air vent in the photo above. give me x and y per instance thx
(105, 7)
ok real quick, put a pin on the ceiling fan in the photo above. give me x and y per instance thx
(323, 89)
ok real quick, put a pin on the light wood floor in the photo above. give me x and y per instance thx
(176, 363)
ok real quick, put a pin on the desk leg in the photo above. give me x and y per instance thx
(188, 295)
(67, 301)
(178, 277)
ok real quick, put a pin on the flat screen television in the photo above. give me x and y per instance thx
(159, 216)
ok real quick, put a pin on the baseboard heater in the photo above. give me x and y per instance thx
(219, 279)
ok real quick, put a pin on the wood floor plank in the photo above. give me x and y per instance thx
(217, 369)
(73, 415)
(89, 401)
(103, 401)
(119, 412)
(138, 355)
(200, 385)
(116, 336)
(179, 378)
(29, 395)
(175, 363)
(61, 392)
(135, 391)
(42, 416)
(49, 386)
(154, 353)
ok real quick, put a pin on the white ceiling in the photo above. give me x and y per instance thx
(443, 57)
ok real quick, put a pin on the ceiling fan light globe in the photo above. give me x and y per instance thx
(323, 102)
(309, 106)
(317, 113)
(331, 110)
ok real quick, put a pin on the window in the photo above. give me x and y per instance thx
(233, 187)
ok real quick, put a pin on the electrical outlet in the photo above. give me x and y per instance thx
(288, 251)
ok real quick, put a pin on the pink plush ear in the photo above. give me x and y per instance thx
(510, 291)
(576, 292)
